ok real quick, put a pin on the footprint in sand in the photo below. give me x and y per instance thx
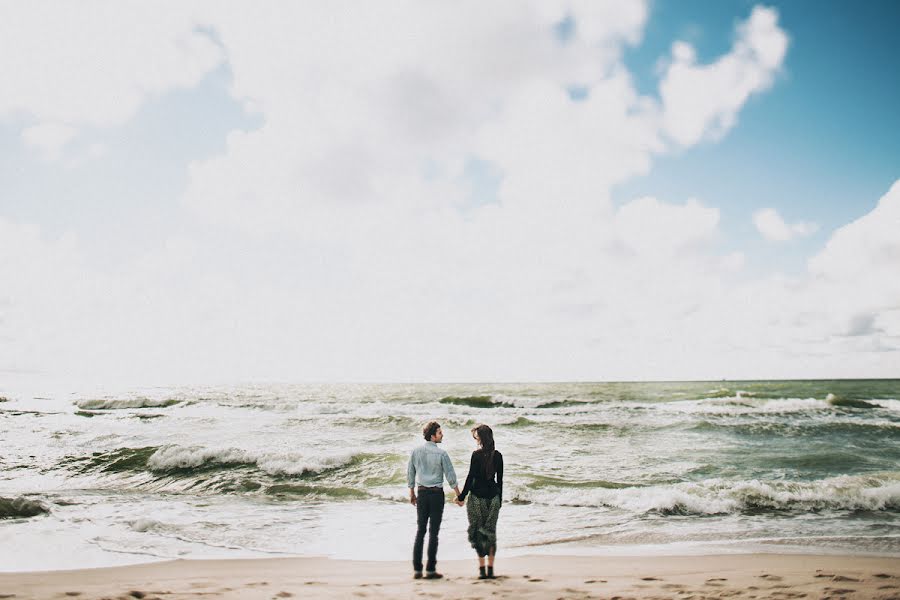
(768, 577)
(284, 595)
(845, 578)
(73, 593)
(535, 580)
(888, 587)
(649, 579)
(717, 579)
(829, 575)
(7, 595)
(595, 581)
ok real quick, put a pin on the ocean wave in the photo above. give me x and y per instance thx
(848, 402)
(717, 496)
(550, 404)
(144, 525)
(741, 405)
(728, 393)
(189, 460)
(503, 401)
(180, 458)
(547, 481)
(886, 403)
(368, 420)
(125, 403)
(473, 401)
(293, 491)
(800, 429)
(520, 422)
(88, 413)
(20, 508)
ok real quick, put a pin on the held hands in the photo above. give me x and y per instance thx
(458, 502)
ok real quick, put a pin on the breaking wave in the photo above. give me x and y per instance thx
(472, 401)
(194, 459)
(848, 402)
(125, 403)
(716, 496)
(742, 405)
(19, 508)
(880, 428)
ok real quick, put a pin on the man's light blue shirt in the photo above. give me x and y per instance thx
(430, 464)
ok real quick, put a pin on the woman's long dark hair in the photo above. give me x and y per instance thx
(486, 441)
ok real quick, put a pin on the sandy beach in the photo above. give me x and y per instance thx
(684, 577)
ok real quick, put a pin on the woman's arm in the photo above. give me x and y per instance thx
(469, 477)
(499, 465)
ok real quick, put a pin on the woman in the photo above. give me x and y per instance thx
(485, 481)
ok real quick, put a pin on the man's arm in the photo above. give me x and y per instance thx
(449, 472)
(411, 478)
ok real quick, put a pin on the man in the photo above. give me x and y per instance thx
(429, 464)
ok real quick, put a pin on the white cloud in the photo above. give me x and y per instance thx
(872, 240)
(772, 227)
(344, 254)
(457, 301)
(95, 62)
(647, 225)
(48, 139)
(353, 116)
(860, 267)
(702, 101)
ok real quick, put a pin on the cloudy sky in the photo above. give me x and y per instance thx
(465, 191)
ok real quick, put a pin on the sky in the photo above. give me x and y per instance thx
(415, 191)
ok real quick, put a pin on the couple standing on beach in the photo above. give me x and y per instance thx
(430, 465)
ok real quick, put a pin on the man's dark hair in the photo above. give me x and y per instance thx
(430, 430)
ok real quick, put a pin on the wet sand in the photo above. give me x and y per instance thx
(780, 577)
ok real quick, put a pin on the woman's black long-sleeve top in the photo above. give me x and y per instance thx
(478, 483)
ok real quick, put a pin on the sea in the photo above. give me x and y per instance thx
(102, 477)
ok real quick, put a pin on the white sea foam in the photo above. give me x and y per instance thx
(169, 458)
(295, 464)
(717, 496)
(227, 451)
(144, 525)
(741, 405)
(191, 457)
(124, 403)
(523, 401)
(890, 404)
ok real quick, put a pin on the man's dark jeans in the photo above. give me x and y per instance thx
(430, 506)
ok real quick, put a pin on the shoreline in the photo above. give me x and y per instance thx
(538, 576)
